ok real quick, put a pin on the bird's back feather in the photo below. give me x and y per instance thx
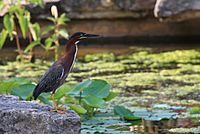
(50, 81)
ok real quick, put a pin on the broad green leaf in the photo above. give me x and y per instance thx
(78, 109)
(94, 101)
(48, 29)
(61, 91)
(63, 19)
(48, 43)
(23, 22)
(79, 88)
(7, 85)
(63, 33)
(8, 22)
(35, 31)
(111, 96)
(23, 91)
(98, 88)
(32, 45)
(3, 36)
(122, 111)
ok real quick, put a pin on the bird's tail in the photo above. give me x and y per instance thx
(36, 92)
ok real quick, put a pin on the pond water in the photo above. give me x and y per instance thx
(159, 85)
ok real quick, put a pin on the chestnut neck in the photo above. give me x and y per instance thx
(69, 56)
(71, 46)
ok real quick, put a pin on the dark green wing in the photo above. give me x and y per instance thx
(50, 80)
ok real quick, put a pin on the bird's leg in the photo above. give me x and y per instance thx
(55, 108)
(54, 102)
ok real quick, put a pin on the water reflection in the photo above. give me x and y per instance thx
(10, 53)
(161, 127)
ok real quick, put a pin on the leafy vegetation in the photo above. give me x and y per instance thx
(57, 30)
(84, 98)
(30, 30)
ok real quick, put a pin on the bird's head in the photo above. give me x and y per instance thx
(78, 36)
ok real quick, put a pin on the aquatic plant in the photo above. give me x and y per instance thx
(84, 98)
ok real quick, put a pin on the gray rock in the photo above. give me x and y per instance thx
(93, 9)
(22, 117)
(98, 9)
(177, 10)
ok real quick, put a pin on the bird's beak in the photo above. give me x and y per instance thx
(89, 36)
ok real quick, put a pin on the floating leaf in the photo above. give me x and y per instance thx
(105, 125)
(155, 114)
(125, 113)
(122, 111)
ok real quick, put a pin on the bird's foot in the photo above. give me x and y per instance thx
(60, 110)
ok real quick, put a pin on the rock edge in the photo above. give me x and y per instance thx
(23, 117)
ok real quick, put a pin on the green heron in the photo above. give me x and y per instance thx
(59, 71)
